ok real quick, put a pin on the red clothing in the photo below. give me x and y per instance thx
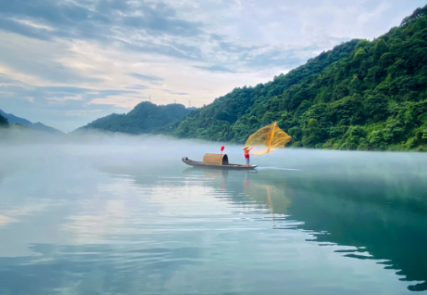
(246, 156)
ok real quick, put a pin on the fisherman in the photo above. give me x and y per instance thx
(246, 151)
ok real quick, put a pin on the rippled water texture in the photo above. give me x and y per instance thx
(128, 217)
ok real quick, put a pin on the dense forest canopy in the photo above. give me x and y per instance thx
(366, 95)
(146, 117)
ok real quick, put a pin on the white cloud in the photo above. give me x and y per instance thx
(33, 24)
(5, 220)
(63, 99)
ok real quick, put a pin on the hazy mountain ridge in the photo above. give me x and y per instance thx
(44, 128)
(146, 117)
(12, 119)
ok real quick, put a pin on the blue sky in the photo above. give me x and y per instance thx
(68, 62)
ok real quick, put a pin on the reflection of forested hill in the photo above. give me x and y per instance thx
(387, 216)
(386, 213)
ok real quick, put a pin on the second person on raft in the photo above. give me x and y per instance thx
(246, 151)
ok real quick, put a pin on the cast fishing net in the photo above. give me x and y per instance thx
(267, 139)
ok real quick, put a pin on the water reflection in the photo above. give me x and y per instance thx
(383, 215)
(382, 211)
(158, 228)
(93, 269)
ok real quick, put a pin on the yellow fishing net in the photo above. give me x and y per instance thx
(267, 139)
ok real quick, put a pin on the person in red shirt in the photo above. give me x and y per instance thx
(246, 151)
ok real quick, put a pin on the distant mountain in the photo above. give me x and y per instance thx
(14, 119)
(44, 128)
(146, 117)
(33, 126)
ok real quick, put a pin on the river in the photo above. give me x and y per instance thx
(126, 216)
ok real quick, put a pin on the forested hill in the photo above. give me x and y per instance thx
(217, 121)
(367, 95)
(3, 122)
(146, 117)
(18, 122)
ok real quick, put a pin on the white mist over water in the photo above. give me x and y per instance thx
(96, 146)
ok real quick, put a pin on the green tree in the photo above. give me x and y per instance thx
(381, 47)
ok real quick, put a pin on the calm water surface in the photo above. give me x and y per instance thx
(131, 218)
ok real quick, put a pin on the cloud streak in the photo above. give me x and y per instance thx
(146, 77)
(175, 93)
